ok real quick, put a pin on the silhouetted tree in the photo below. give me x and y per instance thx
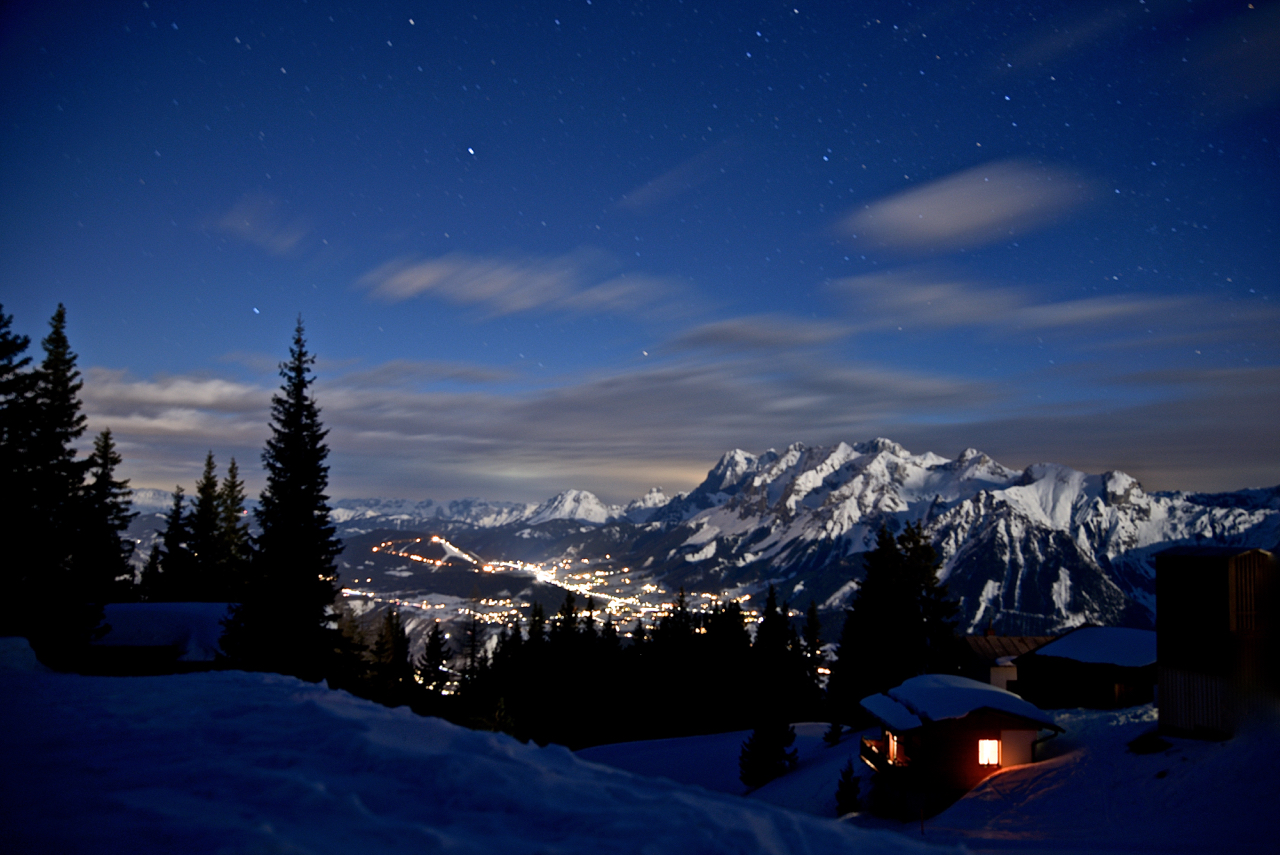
(901, 623)
(57, 503)
(235, 551)
(430, 663)
(283, 622)
(767, 754)
(204, 539)
(171, 578)
(17, 497)
(103, 551)
(392, 672)
(847, 790)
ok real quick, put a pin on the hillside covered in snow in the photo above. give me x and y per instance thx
(1030, 551)
(225, 762)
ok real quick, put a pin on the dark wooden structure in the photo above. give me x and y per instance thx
(157, 638)
(990, 658)
(941, 735)
(1097, 667)
(1217, 618)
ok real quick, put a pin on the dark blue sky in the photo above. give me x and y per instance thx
(550, 245)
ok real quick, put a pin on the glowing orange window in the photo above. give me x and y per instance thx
(988, 752)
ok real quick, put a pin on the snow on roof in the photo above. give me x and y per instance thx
(932, 697)
(193, 628)
(1111, 645)
(891, 712)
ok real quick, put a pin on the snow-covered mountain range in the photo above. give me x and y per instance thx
(1025, 551)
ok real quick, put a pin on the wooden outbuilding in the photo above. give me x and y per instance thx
(1218, 622)
(943, 734)
(158, 638)
(990, 658)
(1099, 667)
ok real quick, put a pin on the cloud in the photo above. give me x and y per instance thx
(1211, 430)
(923, 299)
(979, 206)
(683, 178)
(759, 332)
(580, 282)
(258, 219)
(442, 430)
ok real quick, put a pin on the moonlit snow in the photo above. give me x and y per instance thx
(229, 762)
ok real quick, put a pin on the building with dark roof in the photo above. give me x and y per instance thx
(1099, 667)
(990, 658)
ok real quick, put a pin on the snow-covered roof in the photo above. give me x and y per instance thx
(193, 628)
(1111, 645)
(891, 712)
(932, 697)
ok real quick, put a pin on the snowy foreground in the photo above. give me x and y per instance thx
(248, 763)
(1088, 794)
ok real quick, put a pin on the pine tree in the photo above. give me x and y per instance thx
(283, 622)
(204, 538)
(17, 510)
(767, 754)
(58, 475)
(174, 580)
(104, 552)
(430, 663)
(902, 623)
(233, 532)
(847, 790)
(392, 670)
(57, 504)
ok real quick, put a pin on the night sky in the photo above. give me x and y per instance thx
(582, 244)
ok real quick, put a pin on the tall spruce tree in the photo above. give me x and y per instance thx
(902, 623)
(283, 622)
(233, 531)
(205, 538)
(104, 552)
(170, 577)
(16, 498)
(53, 486)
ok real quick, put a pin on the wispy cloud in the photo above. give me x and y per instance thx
(584, 282)
(759, 332)
(928, 299)
(922, 299)
(983, 205)
(260, 219)
(683, 178)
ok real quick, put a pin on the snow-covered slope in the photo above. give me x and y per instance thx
(234, 762)
(1088, 793)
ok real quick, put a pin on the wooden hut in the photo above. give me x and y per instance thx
(1099, 667)
(990, 658)
(1217, 627)
(941, 735)
(158, 638)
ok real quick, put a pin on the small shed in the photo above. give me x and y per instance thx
(158, 638)
(941, 735)
(1099, 667)
(989, 658)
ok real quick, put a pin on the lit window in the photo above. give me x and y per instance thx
(988, 752)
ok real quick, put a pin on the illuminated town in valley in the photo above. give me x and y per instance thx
(604, 590)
